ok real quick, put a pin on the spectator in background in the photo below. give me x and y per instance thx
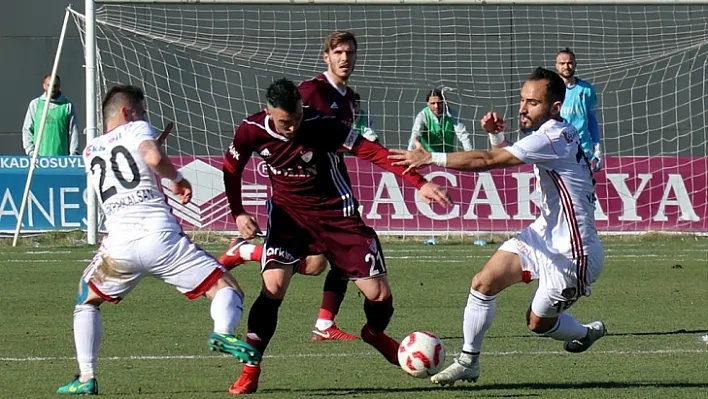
(579, 107)
(363, 125)
(437, 125)
(61, 134)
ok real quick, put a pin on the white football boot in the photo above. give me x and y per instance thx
(596, 330)
(463, 368)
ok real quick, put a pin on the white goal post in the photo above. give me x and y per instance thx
(205, 63)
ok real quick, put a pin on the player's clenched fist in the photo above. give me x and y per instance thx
(247, 226)
(493, 123)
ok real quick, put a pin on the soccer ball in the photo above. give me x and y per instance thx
(421, 354)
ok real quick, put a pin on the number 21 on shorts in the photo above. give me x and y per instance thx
(375, 260)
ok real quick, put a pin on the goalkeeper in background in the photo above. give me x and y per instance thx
(579, 107)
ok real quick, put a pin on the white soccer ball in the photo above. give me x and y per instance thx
(421, 354)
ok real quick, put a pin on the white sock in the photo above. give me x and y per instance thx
(226, 309)
(246, 251)
(87, 336)
(479, 314)
(567, 329)
(323, 324)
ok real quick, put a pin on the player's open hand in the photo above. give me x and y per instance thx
(163, 136)
(431, 192)
(183, 190)
(247, 226)
(415, 159)
(493, 123)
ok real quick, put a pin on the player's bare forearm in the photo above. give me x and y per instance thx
(157, 160)
(480, 161)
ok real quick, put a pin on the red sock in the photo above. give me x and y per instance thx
(325, 314)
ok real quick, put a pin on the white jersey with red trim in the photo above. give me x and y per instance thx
(128, 189)
(567, 186)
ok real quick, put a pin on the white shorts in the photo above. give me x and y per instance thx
(168, 256)
(561, 280)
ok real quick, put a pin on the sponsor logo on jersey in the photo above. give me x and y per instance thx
(298, 171)
(281, 253)
(334, 105)
(265, 153)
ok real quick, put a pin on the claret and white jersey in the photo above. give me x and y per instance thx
(128, 189)
(567, 220)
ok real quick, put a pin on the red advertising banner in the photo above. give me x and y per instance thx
(635, 194)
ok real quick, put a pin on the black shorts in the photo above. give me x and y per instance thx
(348, 243)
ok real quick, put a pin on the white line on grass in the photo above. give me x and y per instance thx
(426, 258)
(353, 354)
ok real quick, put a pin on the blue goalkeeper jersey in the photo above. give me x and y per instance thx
(579, 109)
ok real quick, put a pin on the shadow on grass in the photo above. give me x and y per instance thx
(620, 334)
(342, 391)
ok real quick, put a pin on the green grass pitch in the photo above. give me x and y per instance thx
(653, 296)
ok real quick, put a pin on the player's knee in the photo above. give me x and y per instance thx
(383, 294)
(273, 290)
(375, 289)
(484, 285)
(225, 281)
(313, 265)
(87, 296)
(91, 300)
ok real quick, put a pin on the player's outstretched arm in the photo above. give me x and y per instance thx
(475, 161)
(158, 161)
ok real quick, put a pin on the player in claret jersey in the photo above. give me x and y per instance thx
(312, 211)
(329, 94)
(561, 249)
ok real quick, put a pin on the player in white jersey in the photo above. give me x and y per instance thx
(560, 249)
(144, 238)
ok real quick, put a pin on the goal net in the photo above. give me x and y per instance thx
(206, 67)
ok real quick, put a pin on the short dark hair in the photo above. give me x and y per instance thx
(357, 97)
(434, 93)
(566, 50)
(121, 96)
(555, 91)
(338, 37)
(56, 78)
(283, 94)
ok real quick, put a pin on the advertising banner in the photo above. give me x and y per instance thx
(634, 194)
